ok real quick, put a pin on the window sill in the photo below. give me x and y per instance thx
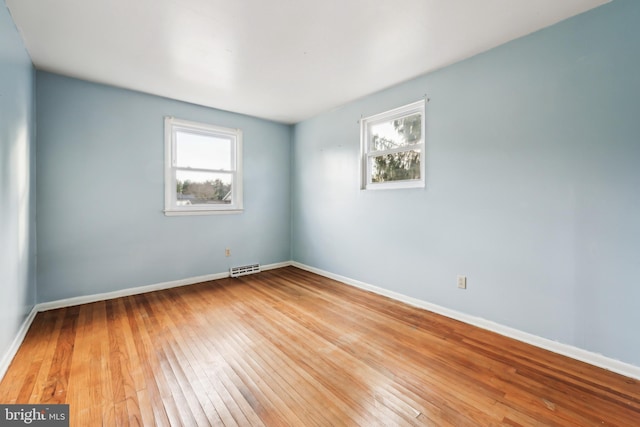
(394, 185)
(175, 212)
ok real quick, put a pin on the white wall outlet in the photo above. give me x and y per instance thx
(462, 282)
(227, 252)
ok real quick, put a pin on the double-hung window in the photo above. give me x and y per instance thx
(203, 168)
(393, 148)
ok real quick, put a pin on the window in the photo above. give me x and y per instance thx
(203, 168)
(393, 148)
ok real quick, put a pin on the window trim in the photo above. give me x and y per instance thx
(366, 154)
(171, 126)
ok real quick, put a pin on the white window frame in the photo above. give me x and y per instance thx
(367, 154)
(171, 127)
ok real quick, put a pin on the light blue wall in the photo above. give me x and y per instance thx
(533, 187)
(101, 186)
(17, 180)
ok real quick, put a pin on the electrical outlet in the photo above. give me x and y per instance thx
(227, 252)
(462, 282)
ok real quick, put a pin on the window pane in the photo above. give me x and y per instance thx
(203, 188)
(396, 133)
(396, 167)
(202, 151)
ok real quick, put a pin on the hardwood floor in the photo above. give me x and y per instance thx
(287, 347)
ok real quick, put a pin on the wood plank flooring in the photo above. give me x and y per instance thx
(290, 348)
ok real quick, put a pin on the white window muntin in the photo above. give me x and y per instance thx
(174, 126)
(368, 152)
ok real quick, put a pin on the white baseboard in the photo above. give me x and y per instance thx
(17, 342)
(276, 265)
(595, 359)
(68, 302)
(86, 299)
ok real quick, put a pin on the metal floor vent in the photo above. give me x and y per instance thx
(243, 270)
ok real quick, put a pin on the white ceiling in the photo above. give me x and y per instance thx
(284, 60)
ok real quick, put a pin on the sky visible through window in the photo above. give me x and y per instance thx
(198, 151)
(387, 131)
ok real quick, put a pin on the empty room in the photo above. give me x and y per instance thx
(306, 213)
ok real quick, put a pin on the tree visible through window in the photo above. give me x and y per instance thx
(393, 148)
(209, 191)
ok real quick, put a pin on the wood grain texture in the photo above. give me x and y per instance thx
(287, 347)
